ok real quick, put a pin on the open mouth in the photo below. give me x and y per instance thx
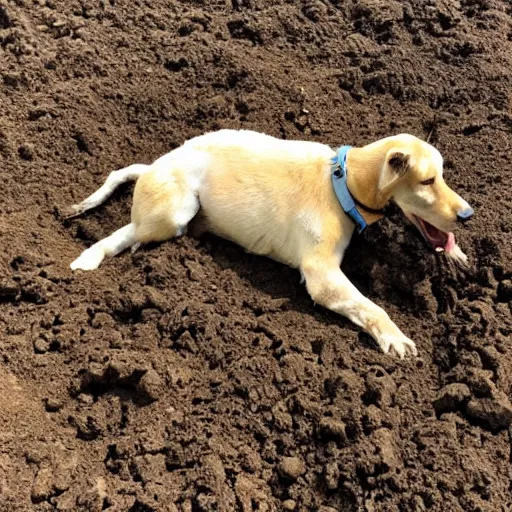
(439, 240)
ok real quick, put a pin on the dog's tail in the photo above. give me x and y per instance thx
(115, 178)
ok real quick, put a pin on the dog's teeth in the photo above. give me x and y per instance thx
(439, 249)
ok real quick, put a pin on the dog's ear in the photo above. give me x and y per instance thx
(397, 165)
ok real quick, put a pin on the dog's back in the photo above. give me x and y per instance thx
(268, 195)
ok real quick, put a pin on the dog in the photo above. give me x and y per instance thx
(296, 202)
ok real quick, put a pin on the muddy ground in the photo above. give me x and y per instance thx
(192, 376)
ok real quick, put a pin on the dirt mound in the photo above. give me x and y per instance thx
(192, 376)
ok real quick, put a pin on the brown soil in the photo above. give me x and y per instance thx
(192, 376)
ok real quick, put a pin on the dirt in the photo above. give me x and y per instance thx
(192, 376)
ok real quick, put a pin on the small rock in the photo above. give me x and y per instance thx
(451, 397)
(43, 485)
(494, 414)
(289, 505)
(151, 385)
(291, 467)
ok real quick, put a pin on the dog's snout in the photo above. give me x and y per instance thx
(465, 214)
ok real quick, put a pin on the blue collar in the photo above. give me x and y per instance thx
(339, 182)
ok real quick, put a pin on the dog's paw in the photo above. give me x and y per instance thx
(90, 259)
(398, 344)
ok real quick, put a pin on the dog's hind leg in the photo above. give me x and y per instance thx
(163, 205)
(329, 286)
(117, 242)
(115, 178)
(165, 199)
(164, 202)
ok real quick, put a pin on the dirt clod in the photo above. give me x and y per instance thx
(451, 397)
(43, 484)
(291, 467)
(289, 505)
(491, 413)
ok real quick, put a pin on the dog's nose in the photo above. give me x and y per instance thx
(465, 214)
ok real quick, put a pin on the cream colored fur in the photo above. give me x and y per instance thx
(275, 198)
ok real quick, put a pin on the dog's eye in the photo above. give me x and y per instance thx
(430, 181)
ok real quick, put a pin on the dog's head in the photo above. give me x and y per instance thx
(412, 175)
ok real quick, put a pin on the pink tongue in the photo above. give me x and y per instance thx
(450, 243)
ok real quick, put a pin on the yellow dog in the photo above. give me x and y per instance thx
(297, 202)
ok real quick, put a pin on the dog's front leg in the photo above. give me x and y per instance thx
(329, 286)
